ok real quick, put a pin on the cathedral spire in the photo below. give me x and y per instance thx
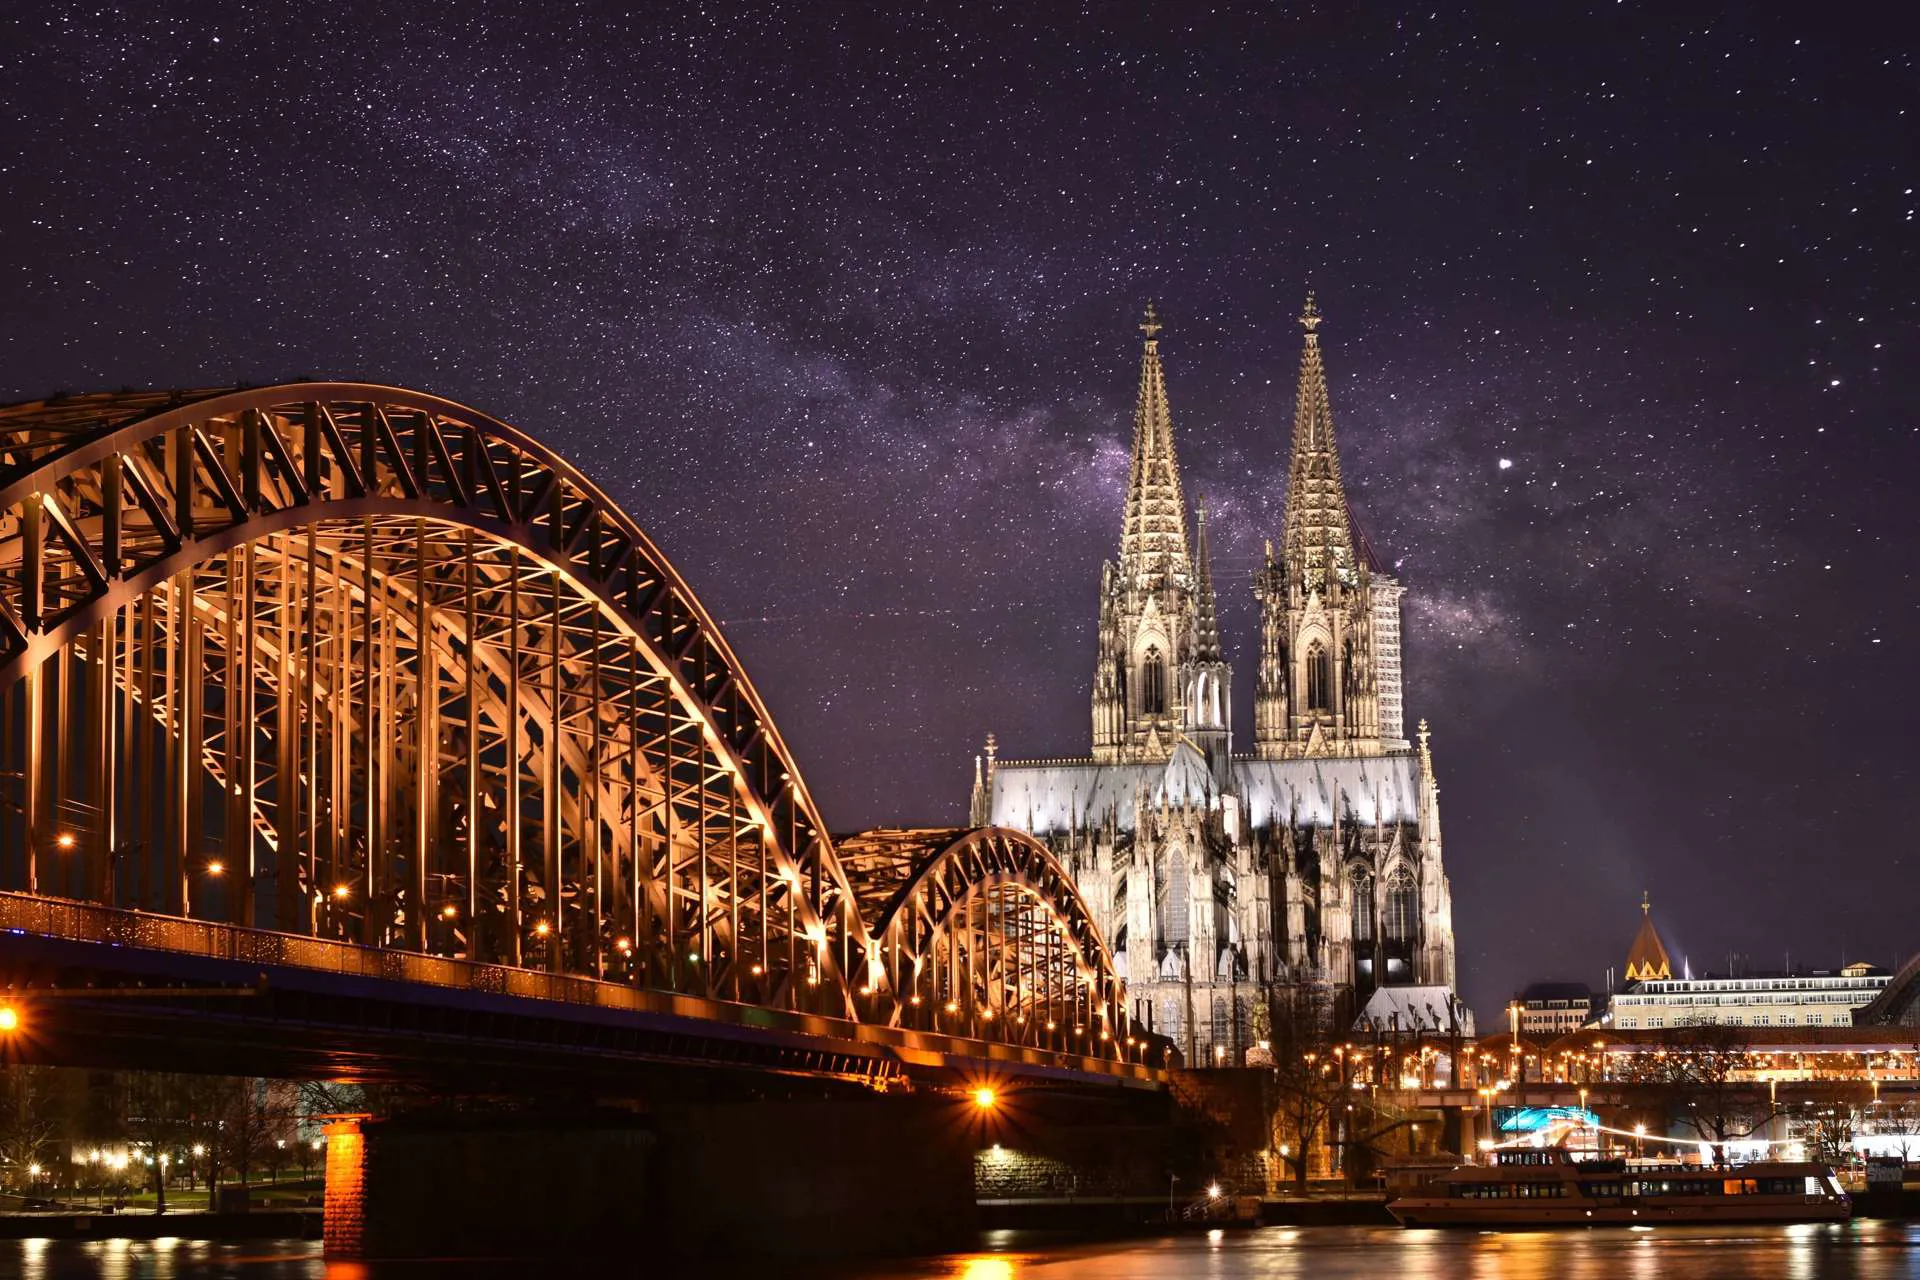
(1206, 639)
(1317, 543)
(1153, 539)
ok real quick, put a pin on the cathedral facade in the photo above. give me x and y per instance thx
(1228, 885)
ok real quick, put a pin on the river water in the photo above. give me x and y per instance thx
(1866, 1250)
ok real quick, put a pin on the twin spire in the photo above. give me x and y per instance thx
(1153, 538)
(1317, 541)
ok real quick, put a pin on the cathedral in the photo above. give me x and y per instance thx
(1230, 885)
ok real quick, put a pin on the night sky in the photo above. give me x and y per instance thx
(1621, 333)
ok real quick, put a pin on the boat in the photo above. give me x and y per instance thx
(1549, 1186)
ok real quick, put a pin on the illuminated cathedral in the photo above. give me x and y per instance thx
(1228, 885)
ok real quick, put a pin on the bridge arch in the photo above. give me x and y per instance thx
(983, 928)
(217, 699)
(1898, 1004)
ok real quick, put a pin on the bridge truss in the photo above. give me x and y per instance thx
(360, 664)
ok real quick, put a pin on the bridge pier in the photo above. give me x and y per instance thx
(771, 1178)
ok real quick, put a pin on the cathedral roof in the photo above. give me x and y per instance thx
(1052, 796)
(1186, 780)
(1647, 957)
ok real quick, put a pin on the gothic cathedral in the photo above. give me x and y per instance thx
(1227, 883)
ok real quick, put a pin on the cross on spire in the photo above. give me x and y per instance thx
(1152, 326)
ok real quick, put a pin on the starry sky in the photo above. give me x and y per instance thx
(1621, 334)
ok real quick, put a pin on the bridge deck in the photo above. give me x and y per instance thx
(77, 937)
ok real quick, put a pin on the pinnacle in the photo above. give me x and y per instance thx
(1207, 624)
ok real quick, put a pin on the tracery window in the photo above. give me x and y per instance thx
(1153, 684)
(1318, 681)
(1362, 906)
(1403, 906)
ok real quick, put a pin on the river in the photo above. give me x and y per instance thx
(1865, 1250)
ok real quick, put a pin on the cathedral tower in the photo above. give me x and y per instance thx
(1324, 605)
(1148, 619)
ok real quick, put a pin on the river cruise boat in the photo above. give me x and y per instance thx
(1547, 1186)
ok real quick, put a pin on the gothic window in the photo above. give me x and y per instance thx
(1318, 683)
(1362, 907)
(1221, 1028)
(1403, 906)
(1349, 681)
(1153, 684)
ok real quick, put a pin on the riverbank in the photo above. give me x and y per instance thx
(261, 1224)
(1138, 1213)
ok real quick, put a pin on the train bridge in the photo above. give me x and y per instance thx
(346, 730)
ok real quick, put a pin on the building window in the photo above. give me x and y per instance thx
(1318, 682)
(1403, 906)
(1153, 684)
(1362, 907)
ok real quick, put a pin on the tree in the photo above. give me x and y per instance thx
(1309, 1078)
(167, 1112)
(28, 1120)
(1705, 1077)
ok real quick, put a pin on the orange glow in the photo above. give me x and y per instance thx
(9, 1018)
(985, 1099)
(216, 867)
(64, 840)
(449, 911)
(542, 928)
(343, 891)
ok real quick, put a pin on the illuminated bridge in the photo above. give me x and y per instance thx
(346, 730)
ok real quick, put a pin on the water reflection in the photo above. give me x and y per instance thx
(1857, 1251)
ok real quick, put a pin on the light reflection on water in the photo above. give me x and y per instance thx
(1864, 1250)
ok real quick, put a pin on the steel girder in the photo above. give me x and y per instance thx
(987, 934)
(357, 662)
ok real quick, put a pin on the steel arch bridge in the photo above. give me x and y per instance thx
(360, 666)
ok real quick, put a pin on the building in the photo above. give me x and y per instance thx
(1654, 999)
(1549, 1010)
(1223, 881)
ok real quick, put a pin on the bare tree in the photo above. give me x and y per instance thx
(28, 1123)
(1704, 1076)
(1309, 1079)
(165, 1112)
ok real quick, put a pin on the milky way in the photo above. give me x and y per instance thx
(1621, 334)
